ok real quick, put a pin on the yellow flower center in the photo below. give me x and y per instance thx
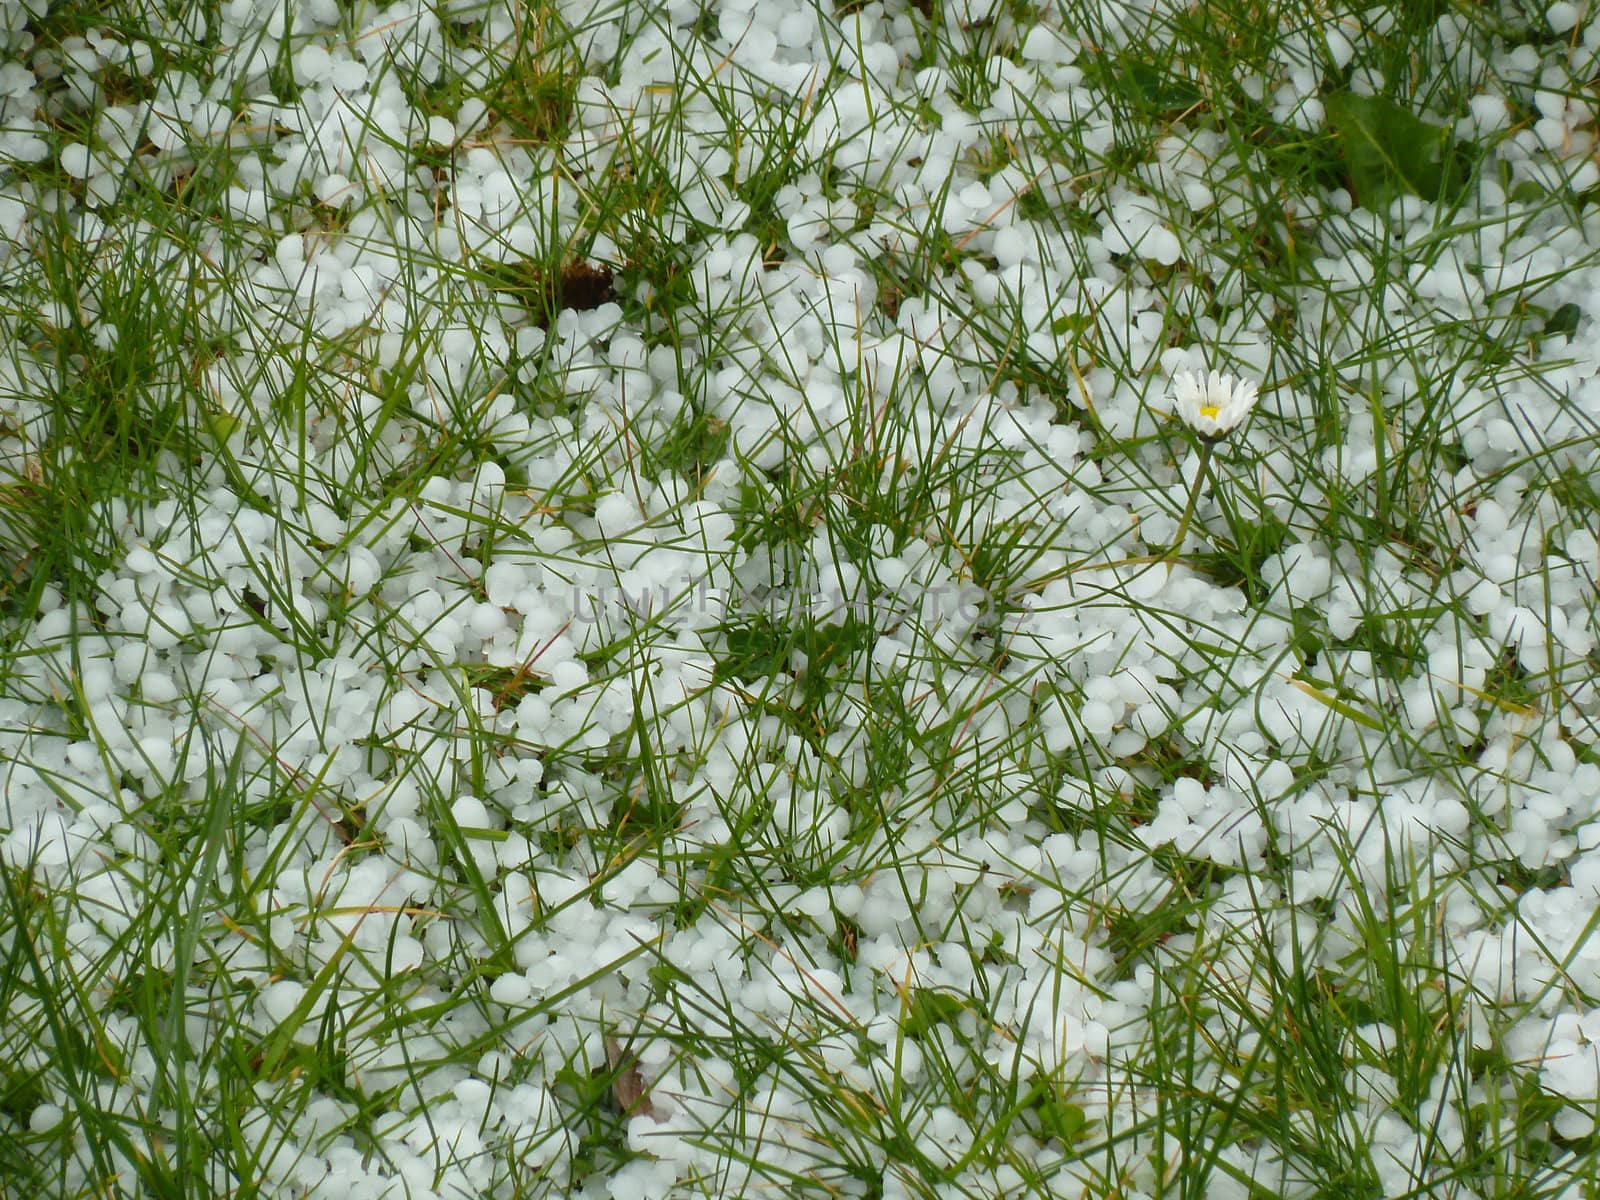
(1210, 411)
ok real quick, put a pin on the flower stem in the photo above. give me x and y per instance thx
(1194, 498)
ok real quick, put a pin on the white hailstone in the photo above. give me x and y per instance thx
(76, 160)
(129, 661)
(615, 514)
(347, 75)
(1161, 245)
(470, 813)
(280, 999)
(486, 620)
(1010, 247)
(332, 189)
(1561, 16)
(362, 570)
(489, 484)
(1213, 404)
(311, 64)
(438, 131)
(1046, 45)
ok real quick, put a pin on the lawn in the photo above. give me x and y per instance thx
(628, 600)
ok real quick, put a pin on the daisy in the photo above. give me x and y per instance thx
(1211, 403)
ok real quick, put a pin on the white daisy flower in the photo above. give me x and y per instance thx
(1213, 404)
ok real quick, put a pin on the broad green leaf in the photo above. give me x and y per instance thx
(1564, 320)
(1390, 151)
(1154, 89)
(929, 1008)
(1074, 323)
(1062, 1119)
(1158, 89)
(222, 424)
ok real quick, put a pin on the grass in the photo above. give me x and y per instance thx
(920, 830)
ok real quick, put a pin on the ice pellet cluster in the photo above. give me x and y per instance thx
(741, 729)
